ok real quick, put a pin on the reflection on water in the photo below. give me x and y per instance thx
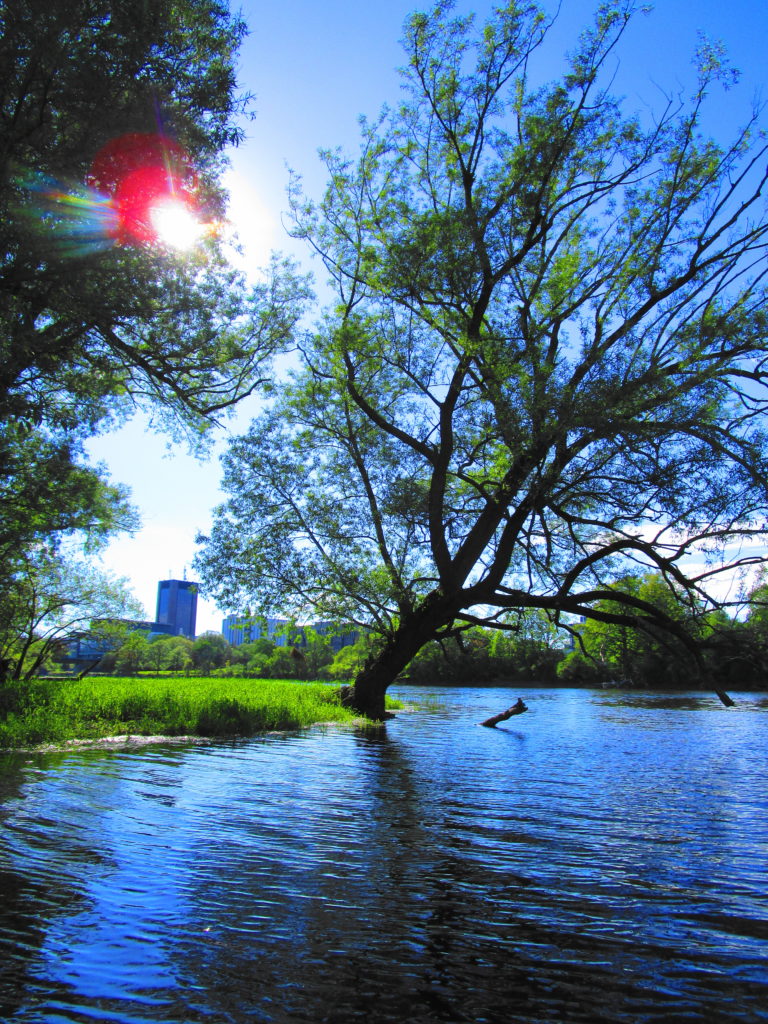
(602, 860)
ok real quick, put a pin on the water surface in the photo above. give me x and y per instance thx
(602, 858)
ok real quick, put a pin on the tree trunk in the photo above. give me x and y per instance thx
(367, 693)
(725, 698)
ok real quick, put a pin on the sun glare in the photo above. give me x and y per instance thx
(175, 224)
(141, 190)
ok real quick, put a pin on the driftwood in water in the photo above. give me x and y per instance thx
(516, 709)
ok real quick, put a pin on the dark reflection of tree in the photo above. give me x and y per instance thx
(20, 929)
(463, 908)
(20, 933)
(371, 909)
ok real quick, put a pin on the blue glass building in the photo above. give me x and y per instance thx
(177, 606)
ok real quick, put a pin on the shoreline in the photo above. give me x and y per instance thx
(136, 741)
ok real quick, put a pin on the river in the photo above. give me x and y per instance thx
(603, 857)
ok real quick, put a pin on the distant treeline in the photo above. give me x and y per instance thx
(721, 651)
(212, 655)
(729, 652)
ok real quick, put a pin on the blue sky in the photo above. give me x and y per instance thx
(314, 68)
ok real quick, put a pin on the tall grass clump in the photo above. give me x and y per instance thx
(57, 710)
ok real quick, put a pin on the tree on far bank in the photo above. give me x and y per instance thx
(210, 650)
(757, 603)
(316, 651)
(348, 661)
(544, 367)
(53, 602)
(648, 656)
(738, 648)
(177, 654)
(131, 653)
(483, 655)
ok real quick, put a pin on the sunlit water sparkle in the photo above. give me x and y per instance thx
(602, 858)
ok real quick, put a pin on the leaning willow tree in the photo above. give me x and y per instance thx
(544, 367)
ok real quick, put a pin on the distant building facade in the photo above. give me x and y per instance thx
(244, 629)
(177, 606)
(89, 646)
(337, 636)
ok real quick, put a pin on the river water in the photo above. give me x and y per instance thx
(603, 857)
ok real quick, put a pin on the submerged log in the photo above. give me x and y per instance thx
(516, 709)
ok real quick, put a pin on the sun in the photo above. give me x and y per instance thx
(175, 224)
(151, 182)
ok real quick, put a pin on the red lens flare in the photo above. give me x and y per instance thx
(140, 172)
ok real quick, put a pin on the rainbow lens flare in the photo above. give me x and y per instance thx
(71, 221)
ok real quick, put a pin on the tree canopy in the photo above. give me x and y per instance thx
(88, 324)
(544, 368)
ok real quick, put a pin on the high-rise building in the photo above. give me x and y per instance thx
(177, 606)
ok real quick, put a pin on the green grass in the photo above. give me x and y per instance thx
(54, 711)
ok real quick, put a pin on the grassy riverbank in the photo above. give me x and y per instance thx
(55, 711)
